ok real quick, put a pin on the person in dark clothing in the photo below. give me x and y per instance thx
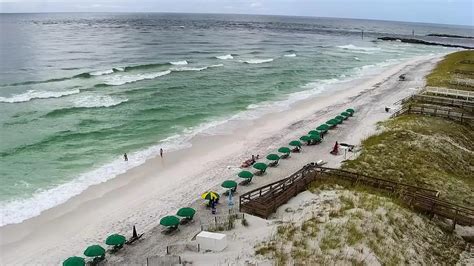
(125, 157)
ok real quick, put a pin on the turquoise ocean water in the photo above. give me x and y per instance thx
(79, 90)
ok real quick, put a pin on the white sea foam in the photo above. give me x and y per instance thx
(290, 55)
(359, 48)
(179, 69)
(91, 101)
(178, 63)
(225, 57)
(356, 58)
(102, 72)
(106, 72)
(258, 61)
(116, 80)
(34, 94)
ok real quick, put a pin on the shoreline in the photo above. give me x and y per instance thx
(145, 193)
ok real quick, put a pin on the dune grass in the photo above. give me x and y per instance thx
(455, 66)
(371, 229)
(424, 151)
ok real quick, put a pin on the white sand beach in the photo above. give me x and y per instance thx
(163, 185)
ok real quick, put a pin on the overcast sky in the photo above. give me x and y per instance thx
(458, 12)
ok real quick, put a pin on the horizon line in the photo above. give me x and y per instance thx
(246, 14)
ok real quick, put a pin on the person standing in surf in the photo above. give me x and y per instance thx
(161, 152)
(125, 157)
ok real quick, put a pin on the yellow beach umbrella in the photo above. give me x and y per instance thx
(210, 195)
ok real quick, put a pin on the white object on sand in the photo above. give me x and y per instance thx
(211, 241)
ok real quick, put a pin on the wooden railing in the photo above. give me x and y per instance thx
(436, 100)
(265, 200)
(468, 95)
(438, 111)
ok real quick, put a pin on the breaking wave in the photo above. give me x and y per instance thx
(118, 80)
(258, 61)
(33, 94)
(179, 63)
(359, 48)
(225, 57)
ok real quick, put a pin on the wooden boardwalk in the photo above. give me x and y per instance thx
(265, 200)
(450, 93)
(437, 100)
(438, 111)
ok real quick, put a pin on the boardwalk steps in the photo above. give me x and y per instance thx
(265, 200)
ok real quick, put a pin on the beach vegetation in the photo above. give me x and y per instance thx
(429, 152)
(375, 231)
(455, 71)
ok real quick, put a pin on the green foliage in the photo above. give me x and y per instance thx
(423, 151)
(458, 65)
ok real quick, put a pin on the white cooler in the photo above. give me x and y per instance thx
(211, 241)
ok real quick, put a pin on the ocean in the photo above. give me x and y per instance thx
(77, 91)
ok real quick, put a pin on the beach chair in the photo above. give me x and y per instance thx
(296, 149)
(273, 164)
(186, 220)
(170, 230)
(259, 172)
(97, 260)
(245, 182)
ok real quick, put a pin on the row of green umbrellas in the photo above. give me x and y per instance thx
(95, 251)
(172, 221)
(313, 135)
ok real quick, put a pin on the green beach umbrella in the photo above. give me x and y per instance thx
(339, 121)
(315, 137)
(115, 240)
(284, 150)
(331, 122)
(169, 221)
(74, 261)
(345, 115)
(305, 138)
(210, 195)
(186, 212)
(340, 117)
(323, 127)
(273, 157)
(350, 111)
(94, 251)
(245, 174)
(313, 132)
(295, 143)
(229, 184)
(260, 166)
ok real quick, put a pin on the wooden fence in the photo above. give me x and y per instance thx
(463, 94)
(438, 111)
(265, 200)
(437, 100)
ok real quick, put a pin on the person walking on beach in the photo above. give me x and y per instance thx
(125, 157)
(161, 152)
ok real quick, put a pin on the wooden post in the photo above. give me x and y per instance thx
(167, 250)
(453, 227)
